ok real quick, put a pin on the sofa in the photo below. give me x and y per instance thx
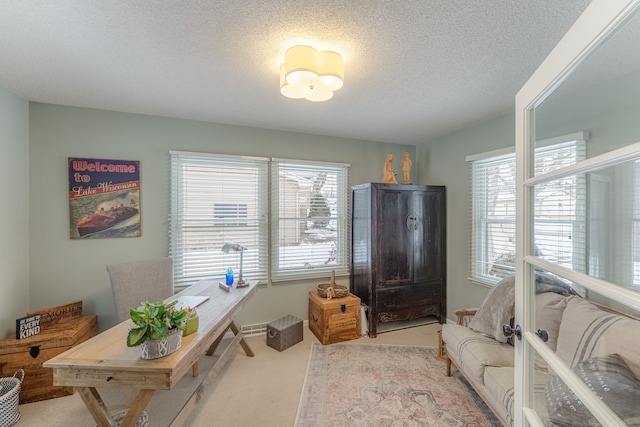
(600, 345)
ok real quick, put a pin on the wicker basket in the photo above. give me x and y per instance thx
(118, 417)
(9, 397)
(339, 290)
(331, 290)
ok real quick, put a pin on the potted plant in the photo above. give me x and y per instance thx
(159, 328)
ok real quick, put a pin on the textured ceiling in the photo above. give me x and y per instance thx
(414, 69)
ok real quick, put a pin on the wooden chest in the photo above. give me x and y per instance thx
(29, 354)
(334, 320)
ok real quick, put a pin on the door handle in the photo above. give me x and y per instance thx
(544, 335)
(509, 331)
(517, 331)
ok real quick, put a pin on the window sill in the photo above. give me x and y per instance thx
(480, 282)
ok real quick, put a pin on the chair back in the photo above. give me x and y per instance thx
(134, 282)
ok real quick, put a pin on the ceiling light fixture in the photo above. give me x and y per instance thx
(307, 73)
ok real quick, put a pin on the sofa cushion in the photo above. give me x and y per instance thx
(498, 308)
(610, 379)
(474, 352)
(549, 309)
(499, 382)
(587, 331)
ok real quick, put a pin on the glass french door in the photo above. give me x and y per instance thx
(578, 221)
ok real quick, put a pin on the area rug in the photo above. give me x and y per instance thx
(384, 386)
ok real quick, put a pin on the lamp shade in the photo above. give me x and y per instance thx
(232, 247)
(331, 69)
(307, 73)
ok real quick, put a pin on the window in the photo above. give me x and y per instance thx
(217, 199)
(559, 217)
(230, 214)
(631, 226)
(309, 220)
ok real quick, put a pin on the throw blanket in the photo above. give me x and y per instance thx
(498, 308)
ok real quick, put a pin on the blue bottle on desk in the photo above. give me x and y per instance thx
(229, 277)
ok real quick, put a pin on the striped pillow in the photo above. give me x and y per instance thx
(610, 379)
(587, 332)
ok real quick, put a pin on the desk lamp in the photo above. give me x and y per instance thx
(235, 247)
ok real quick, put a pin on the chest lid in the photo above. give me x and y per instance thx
(349, 301)
(65, 333)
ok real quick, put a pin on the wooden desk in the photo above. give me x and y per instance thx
(106, 361)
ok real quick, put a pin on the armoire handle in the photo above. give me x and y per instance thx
(412, 222)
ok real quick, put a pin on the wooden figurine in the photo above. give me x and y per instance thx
(389, 176)
(406, 167)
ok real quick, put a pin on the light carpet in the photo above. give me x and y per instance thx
(385, 385)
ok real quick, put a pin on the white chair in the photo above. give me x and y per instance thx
(134, 282)
(138, 281)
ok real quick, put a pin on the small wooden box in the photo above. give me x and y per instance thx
(334, 320)
(30, 353)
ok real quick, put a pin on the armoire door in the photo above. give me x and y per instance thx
(428, 255)
(396, 237)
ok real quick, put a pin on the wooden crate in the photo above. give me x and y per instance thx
(29, 354)
(334, 320)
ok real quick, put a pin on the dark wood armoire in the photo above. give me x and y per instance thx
(398, 251)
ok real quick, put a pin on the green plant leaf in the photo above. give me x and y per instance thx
(158, 331)
(136, 315)
(155, 320)
(136, 336)
(177, 316)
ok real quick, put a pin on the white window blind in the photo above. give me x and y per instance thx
(309, 219)
(559, 209)
(217, 199)
(628, 260)
(559, 222)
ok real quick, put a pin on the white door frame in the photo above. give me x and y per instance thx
(595, 25)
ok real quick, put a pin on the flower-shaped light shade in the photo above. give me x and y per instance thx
(307, 73)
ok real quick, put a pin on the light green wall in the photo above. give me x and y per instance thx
(14, 210)
(61, 270)
(442, 162)
(64, 270)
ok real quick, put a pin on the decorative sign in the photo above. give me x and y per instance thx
(27, 326)
(58, 313)
(104, 198)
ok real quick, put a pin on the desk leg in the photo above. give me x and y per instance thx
(95, 404)
(98, 409)
(183, 416)
(236, 332)
(243, 343)
(216, 343)
(141, 402)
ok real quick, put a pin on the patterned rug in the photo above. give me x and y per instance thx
(385, 386)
